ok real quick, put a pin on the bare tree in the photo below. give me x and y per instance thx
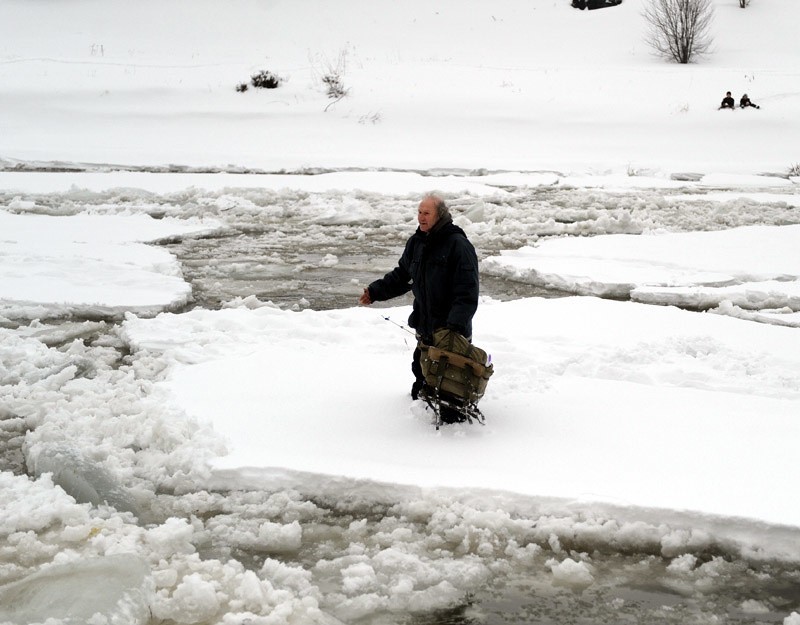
(678, 29)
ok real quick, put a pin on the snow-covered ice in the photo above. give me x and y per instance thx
(85, 263)
(584, 390)
(754, 267)
(72, 593)
(223, 466)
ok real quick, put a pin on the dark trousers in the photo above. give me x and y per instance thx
(416, 368)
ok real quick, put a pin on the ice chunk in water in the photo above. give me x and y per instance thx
(116, 590)
(84, 480)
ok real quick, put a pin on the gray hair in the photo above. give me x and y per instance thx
(442, 209)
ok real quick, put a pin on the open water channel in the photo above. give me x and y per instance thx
(484, 562)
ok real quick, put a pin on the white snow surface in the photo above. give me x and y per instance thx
(510, 85)
(754, 267)
(592, 400)
(90, 262)
(615, 422)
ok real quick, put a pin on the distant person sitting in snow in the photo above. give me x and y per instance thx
(728, 102)
(745, 102)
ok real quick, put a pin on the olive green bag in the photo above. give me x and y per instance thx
(454, 366)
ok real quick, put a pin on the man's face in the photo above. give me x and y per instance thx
(427, 215)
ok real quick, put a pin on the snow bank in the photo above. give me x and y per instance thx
(399, 183)
(593, 400)
(156, 87)
(89, 264)
(750, 267)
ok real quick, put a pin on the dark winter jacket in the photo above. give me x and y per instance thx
(441, 269)
(727, 103)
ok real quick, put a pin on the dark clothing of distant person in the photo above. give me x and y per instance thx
(728, 102)
(745, 102)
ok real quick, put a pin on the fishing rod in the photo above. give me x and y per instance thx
(399, 325)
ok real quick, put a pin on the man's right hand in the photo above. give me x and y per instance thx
(365, 299)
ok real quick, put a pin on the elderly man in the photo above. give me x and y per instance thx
(440, 267)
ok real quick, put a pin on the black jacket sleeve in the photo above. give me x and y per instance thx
(397, 282)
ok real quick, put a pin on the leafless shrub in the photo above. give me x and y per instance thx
(678, 29)
(331, 75)
(265, 79)
(335, 87)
